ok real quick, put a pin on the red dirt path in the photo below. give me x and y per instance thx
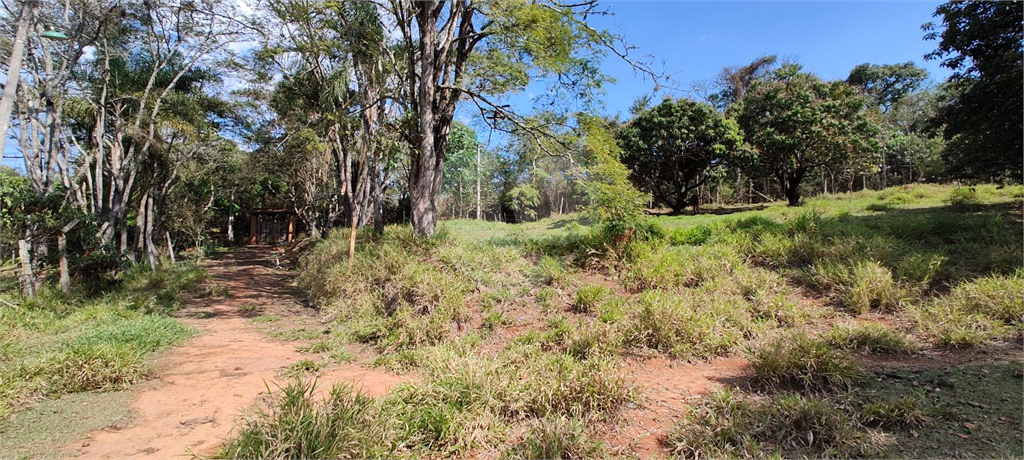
(199, 390)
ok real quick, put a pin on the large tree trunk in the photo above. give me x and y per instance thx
(423, 202)
(791, 185)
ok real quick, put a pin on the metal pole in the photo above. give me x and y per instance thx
(478, 214)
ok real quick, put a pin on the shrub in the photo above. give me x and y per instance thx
(802, 363)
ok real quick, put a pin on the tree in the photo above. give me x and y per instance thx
(614, 203)
(734, 81)
(460, 170)
(795, 123)
(474, 50)
(673, 148)
(887, 84)
(984, 121)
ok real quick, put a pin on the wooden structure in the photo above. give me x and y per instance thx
(271, 226)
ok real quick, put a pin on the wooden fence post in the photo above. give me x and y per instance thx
(62, 248)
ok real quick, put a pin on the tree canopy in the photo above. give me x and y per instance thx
(795, 123)
(887, 84)
(674, 147)
(983, 44)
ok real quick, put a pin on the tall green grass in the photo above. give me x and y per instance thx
(53, 344)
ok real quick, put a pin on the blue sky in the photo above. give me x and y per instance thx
(695, 40)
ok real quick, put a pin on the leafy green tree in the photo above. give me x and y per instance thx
(675, 147)
(795, 123)
(887, 84)
(461, 170)
(615, 203)
(982, 43)
(523, 199)
(479, 50)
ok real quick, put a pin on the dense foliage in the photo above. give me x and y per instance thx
(797, 123)
(983, 43)
(675, 147)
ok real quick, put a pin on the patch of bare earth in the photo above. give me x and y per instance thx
(198, 391)
(667, 387)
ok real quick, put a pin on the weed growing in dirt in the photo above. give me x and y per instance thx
(265, 319)
(301, 367)
(319, 346)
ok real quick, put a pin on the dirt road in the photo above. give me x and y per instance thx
(198, 390)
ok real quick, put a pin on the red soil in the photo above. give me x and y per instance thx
(199, 390)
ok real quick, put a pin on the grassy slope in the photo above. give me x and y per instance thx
(519, 332)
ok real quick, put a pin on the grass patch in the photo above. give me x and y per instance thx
(588, 298)
(265, 319)
(871, 338)
(558, 438)
(302, 366)
(799, 362)
(344, 425)
(729, 424)
(52, 345)
(692, 324)
(974, 312)
(43, 430)
(296, 334)
(319, 346)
